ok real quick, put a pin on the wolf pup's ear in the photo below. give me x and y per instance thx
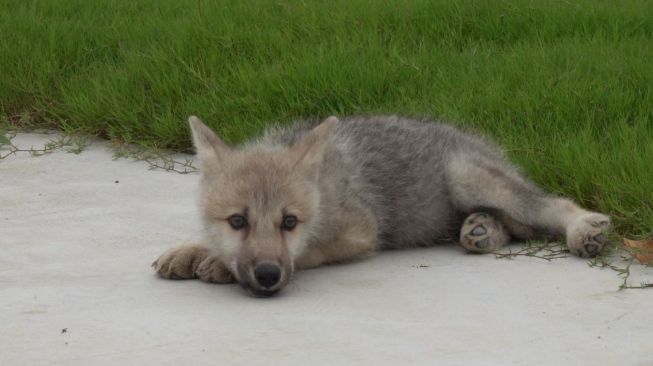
(210, 149)
(311, 147)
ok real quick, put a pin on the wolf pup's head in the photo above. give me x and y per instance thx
(259, 203)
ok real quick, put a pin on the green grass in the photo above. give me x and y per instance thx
(566, 86)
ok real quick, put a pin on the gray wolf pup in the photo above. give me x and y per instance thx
(314, 194)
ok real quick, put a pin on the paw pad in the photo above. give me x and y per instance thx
(482, 244)
(479, 230)
(599, 238)
(592, 248)
(600, 223)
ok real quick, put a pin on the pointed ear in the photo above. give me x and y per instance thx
(210, 149)
(311, 147)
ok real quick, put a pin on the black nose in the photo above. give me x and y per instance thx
(267, 275)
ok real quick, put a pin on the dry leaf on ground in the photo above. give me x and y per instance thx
(642, 249)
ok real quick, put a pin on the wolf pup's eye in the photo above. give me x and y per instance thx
(237, 222)
(289, 222)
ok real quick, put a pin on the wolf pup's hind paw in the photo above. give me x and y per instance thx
(586, 235)
(482, 233)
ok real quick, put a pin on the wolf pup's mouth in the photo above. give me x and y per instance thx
(263, 293)
(258, 292)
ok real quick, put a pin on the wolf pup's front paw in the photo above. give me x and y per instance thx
(212, 270)
(180, 263)
(191, 261)
(586, 234)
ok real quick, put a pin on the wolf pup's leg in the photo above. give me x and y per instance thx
(477, 182)
(483, 233)
(191, 261)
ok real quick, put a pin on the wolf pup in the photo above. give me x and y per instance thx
(304, 196)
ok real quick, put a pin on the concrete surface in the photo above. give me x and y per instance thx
(78, 234)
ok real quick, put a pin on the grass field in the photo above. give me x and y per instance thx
(566, 86)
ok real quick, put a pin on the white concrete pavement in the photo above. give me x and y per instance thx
(78, 234)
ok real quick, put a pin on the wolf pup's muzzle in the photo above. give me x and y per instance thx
(264, 281)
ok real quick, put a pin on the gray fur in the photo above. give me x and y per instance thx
(399, 168)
